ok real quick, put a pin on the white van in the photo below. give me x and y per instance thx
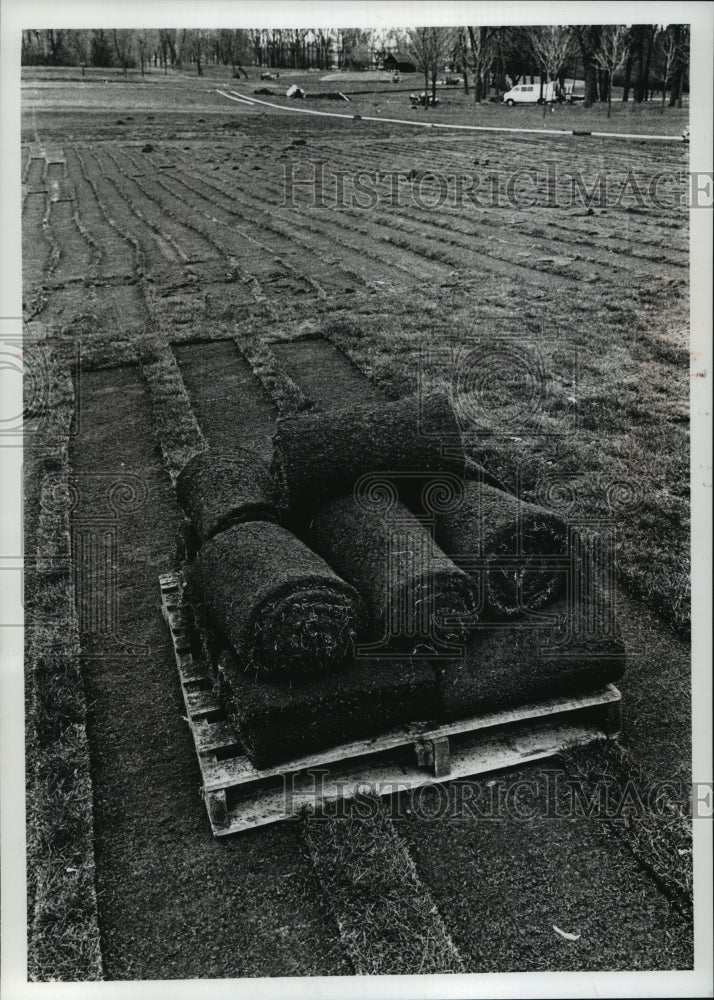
(529, 93)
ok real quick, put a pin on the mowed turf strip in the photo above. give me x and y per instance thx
(173, 902)
(230, 403)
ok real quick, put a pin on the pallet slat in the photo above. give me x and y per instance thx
(238, 796)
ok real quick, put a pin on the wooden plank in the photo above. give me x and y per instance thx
(239, 770)
(199, 703)
(490, 752)
(211, 736)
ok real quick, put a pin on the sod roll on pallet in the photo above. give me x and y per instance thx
(280, 721)
(279, 605)
(506, 544)
(532, 658)
(217, 490)
(413, 591)
(319, 456)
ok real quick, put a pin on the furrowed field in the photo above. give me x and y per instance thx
(157, 215)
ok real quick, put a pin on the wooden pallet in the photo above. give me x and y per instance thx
(238, 796)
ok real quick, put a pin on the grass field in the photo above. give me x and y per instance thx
(157, 212)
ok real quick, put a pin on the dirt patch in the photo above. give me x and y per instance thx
(325, 374)
(247, 906)
(63, 306)
(120, 307)
(36, 173)
(230, 403)
(35, 246)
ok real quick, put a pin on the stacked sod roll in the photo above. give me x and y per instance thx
(279, 605)
(368, 697)
(318, 457)
(217, 490)
(532, 658)
(507, 546)
(414, 593)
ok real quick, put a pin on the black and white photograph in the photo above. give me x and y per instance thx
(356, 611)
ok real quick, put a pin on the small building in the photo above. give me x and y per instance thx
(397, 62)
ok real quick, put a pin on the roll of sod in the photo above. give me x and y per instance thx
(278, 722)
(319, 456)
(521, 663)
(411, 589)
(280, 607)
(218, 489)
(505, 544)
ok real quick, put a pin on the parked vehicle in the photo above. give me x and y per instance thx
(530, 93)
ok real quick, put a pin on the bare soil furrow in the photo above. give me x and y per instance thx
(342, 234)
(157, 254)
(182, 240)
(35, 177)
(234, 241)
(402, 191)
(570, 259)
(76, 258)
(118, 253)
(325, 374)
(317, 266)
(36, 247)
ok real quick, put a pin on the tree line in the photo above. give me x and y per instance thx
(642, 59)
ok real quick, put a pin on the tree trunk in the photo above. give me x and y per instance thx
(466, 80)
(648, 57)
(628, 78)
(675, 99)
(588, 40)
(609, 94)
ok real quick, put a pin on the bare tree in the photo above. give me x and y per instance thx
(234, 46)
(144, 42)
(482, 53)
(673, 48)
(610, 54)
(79, 42)
(429, 48)
(462, 56)
(552, 47)
(681, 65)
(124, 41)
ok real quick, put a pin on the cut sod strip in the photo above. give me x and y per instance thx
(387, 917)
(173, 903)
(220, 490)
(325, 374)
(283, 609)
(230, 403)
(537, 657)
(508, 545)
